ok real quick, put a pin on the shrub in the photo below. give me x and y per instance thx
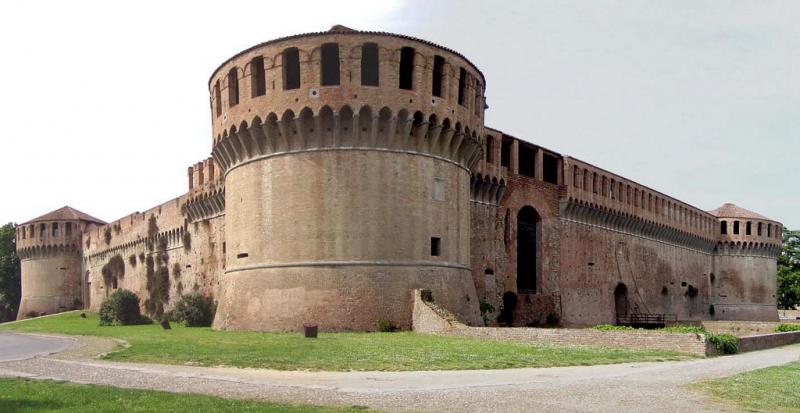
(785, 328)
(132, 260)
(486, 309)
(176, 270)
(107, 235)
(724, 343)
(122, 308)
(113, 270)
(385, 326)
(195, 310)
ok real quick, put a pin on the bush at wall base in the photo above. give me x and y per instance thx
(724, 343)
(122, 308)
(195, 310)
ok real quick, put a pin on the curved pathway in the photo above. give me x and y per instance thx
(619, 387)
(15, 346)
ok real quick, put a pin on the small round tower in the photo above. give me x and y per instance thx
(49, 248)
(743, 284)
(346, 157)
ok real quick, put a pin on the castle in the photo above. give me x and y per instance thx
(348, 168)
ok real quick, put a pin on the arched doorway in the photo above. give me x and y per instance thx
(621, 300)
(528, 223)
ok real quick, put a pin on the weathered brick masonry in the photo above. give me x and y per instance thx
(348, 168)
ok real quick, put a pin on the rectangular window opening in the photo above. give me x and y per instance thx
(68, 229)
(505, 152)
(436, 246)
(550, 165)
(438, 73)
(242, 255)
(233, 87)
(291, 69)
(462, 85)
(723, 229)
(735, 227)
(748, 228)
(217, 98)
(55, 229)
(407, 68)
(258, 83)
(527, 160)
(370, 67)
(330, 64)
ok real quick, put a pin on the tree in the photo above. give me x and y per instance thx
(10, 287)
(789, 271)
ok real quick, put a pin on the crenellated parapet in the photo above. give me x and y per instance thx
(485, 189)
(621, 221)
(345, 130)
(595, 186)
(205, 205)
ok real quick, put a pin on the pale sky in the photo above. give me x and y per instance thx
(105, 104)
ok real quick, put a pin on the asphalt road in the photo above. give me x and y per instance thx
(20, 347)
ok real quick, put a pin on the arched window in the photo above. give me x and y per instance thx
(68, 229)
(370, 68)
(233, 87)
(438, 75)
(735, 227)
(291, 68)
(407, 68)
(760, 229)
(595, 183)
(258, 83)
(55, 229)
(527, 249)
(748, 229)
(723, 229)
(769, 230)
(329, 72)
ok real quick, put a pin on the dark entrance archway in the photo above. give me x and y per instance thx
(621, 300)
(528, 228)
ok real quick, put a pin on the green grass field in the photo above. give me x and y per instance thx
(18, 395)
(331, 351)
(770, 389)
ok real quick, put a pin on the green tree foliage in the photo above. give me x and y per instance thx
(10, 287)
(789, 271)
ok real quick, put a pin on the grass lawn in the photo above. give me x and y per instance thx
(18, 395)
(770, 389)
(331, 351)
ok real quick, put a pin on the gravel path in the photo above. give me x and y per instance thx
(652, 387)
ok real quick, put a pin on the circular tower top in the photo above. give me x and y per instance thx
(739, 225)
(345, 71)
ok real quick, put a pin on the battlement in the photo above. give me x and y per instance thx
(346, 130)
(346, 68)
(204, 176)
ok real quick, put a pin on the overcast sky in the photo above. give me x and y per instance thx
(105, 104)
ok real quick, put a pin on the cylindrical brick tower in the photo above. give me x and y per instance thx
(346, 158)
(743, 284)
(49, 248)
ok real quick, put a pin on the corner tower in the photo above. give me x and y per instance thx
(50, 251)
(743, 284)
(346, 157)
